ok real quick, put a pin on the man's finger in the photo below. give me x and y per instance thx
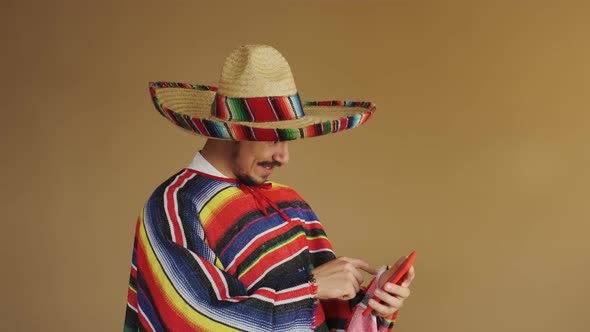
(360, 264)
(396, 290)
(381, 309)
(409, 277)
(359, 277)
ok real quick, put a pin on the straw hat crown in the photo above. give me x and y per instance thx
(256, 71)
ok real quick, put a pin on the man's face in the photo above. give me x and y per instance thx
(253, 162)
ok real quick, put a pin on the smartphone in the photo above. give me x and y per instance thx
(397, 277)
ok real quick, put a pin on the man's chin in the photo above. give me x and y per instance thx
(252, 182)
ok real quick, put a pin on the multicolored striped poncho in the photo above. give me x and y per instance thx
(212, 255)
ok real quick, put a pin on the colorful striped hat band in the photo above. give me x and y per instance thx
(257, 109)
(256, 100)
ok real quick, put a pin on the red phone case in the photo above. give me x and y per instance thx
(396, 278)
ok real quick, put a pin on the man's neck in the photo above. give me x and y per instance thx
(218, 153)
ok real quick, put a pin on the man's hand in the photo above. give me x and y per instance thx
(392, 296)
(340, 278)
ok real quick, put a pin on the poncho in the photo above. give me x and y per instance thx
(213, 255)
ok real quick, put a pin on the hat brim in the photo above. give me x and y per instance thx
(189, 106)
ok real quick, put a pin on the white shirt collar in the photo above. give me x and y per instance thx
(200, 164)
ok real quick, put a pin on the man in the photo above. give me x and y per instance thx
(217, 247)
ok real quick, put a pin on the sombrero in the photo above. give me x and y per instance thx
(256, 101)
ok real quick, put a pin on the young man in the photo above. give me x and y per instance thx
(217, 247)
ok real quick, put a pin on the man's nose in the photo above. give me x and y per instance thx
(281, 154)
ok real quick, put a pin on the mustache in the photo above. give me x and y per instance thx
(269, 164)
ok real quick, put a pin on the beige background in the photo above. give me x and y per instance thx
(477, 158)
